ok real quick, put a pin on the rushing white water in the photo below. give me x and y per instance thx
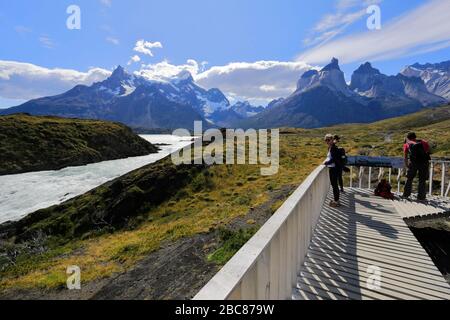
(21, 194)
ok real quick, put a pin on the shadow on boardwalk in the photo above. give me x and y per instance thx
(364, 236)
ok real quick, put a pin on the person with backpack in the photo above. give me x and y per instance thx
(333, 162)
(384, 190)
(342, 162)
(417, 161)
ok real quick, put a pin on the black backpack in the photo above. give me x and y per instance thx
(417, 153)
(343, 157)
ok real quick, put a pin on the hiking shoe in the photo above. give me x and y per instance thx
(335, 204)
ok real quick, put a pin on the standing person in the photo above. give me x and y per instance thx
(342, 156)
(333, 163)
(417, 160)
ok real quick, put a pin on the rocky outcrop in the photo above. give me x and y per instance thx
(32, 143)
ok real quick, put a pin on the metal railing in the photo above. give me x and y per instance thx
(266, 266)
(439, 167)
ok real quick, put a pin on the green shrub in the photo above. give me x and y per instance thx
(231, 242)
(202, 181)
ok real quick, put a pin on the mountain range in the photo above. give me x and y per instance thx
(322, 98)
(138, 102)
(435, 76)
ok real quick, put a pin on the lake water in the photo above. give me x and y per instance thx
(21, 194)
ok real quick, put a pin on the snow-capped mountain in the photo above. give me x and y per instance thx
(206, 102)
(370, 82)
(245, 109)
(323, 98)
(171, 103)
(436, 76)
(274, 103)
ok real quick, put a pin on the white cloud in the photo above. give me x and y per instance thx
(258, 82)
(46, 42)
(134, 59)
(424, 29)
(22, 30)
(26, 81)
(331, 25)
(113, 40)
(268, 88)
(165, 70)
(145, 47)
(106, 3)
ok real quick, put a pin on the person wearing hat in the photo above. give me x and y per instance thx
(343, 156)
(333, 163)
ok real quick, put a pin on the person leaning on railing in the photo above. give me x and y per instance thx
(343, 162)
(333, 163)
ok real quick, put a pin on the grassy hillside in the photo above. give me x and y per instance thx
(173, 222)
(32, 143)
(385, 138)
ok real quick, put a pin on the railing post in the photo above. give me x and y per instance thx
(443, 179)
(448, 190)
(431, 178)
(399, 177)
(390, 175)
(370, 178)
(351, 177)
(380, 174)
(361, 171)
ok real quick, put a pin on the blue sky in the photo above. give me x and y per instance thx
(217, 33)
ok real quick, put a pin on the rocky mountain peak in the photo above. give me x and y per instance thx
(215, 95)
(330, 76)
(310, 73)
(119, 73)
(366, 68)
(441, 66)
(333, 65)
(245, 109)
(435, 75)
(184, 76)
(365, 77)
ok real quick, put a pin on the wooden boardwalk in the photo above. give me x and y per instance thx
(367, 234)
(413, 210)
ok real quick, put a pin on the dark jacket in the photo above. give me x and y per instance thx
(335, 157)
